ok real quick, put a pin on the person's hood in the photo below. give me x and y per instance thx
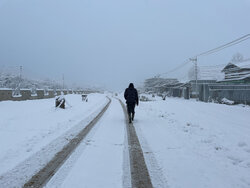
(131, 85)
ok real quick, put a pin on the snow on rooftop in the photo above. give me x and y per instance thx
(245, 64)
(211, 73)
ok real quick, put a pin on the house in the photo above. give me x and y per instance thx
(159, 85)
(237, 73)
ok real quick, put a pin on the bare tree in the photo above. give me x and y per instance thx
(238, 57)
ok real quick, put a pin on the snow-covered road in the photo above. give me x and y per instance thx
(98, 161)
(185, 143)
(32, 132)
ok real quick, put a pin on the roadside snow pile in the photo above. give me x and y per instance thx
(227, 101)
(28, 126)
(147, 97)
(195, 144)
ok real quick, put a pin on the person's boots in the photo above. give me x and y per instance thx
(129, 117)
(133, 115)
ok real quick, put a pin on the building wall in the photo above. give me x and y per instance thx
(6, 94)
(208, 92)
(40, 94)
(58, 92)
(237, 93)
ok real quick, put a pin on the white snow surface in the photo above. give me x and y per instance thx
(33, 131)
(195, 144)
(185, 143)
(98, 161)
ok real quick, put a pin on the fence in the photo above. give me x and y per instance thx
(236, 93)
(28, 94)
(208, 92)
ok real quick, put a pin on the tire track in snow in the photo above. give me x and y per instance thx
(158, 179)
(44, 175)
(139, 173)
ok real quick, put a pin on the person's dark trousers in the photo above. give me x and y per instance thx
(131, 111)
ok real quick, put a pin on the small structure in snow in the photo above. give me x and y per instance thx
(84, 98)
(60, 102)
(144, 98)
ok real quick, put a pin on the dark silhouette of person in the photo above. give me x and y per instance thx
(131, 96)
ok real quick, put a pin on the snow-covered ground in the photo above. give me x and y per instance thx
(185, 143)
(196, 144)
(28, 126)
(98, 161)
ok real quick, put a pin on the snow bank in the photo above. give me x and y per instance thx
(28, 126)
(227, 101)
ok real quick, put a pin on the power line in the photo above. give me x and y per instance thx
(224, 64)
(234, 42)
(214, 50)
(176, 68)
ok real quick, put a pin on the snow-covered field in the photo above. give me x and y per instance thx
(26, 127)
(196, 144)
(185, 143)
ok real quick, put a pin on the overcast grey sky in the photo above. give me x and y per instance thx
(114, 42)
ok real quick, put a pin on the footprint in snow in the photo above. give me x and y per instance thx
(207, 141)
(235, 160)
(242, 144)
(29, 150)
(217, 148)
(171, 121)
(192, 125)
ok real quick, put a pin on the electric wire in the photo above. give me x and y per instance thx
(214, 50)
(229, 44)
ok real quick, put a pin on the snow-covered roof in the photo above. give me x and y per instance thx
(5, 89)
(236, 77)
(245, 64)
(210, 73)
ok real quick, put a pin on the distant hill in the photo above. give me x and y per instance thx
(8, 80)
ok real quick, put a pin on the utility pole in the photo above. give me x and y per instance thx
(20, 72)
(196, 74)
(63, 80)
(20, 75)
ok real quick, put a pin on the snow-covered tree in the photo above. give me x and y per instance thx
(238, 57)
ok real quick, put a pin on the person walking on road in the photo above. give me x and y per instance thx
(131, 96)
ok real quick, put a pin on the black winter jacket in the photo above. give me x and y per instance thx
(131, 95)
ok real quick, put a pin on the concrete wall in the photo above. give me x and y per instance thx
(6, 94)
(208, 92)
(204, 92)
(51, 94)
(40, 94)
(25, 94)
(186, 93)
(65, 92)
(216, 92)
(58, 92)
(237, 93)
